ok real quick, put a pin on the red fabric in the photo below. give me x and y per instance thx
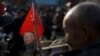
(2, 7)
(29, 24)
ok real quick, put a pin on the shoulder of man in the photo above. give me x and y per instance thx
(91, 52)
(87, 52)
(70, 53)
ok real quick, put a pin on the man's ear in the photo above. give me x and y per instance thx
(88, 31)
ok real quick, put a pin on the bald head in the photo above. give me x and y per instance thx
(81, 22)
(86, 13)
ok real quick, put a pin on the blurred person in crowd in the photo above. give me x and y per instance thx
(2, 11)
(41, 11)
(68, 5)
(71, 3)
(8, 18)
(16, 44)
(82, 30)
(11, 10)
(57, 20)
(47, 21)
(5, 17)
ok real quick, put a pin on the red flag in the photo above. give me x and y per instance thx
(32, 20)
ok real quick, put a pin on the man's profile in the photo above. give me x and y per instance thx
(82, 29)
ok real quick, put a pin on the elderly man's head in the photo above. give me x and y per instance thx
(81, 24)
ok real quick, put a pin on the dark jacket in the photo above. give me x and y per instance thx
(17, 43)
(91, 50)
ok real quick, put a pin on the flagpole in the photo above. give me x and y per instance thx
(37, 44)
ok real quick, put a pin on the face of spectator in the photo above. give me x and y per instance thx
(28, 38)
(77, 36)
(73, 35)
(82, 25)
